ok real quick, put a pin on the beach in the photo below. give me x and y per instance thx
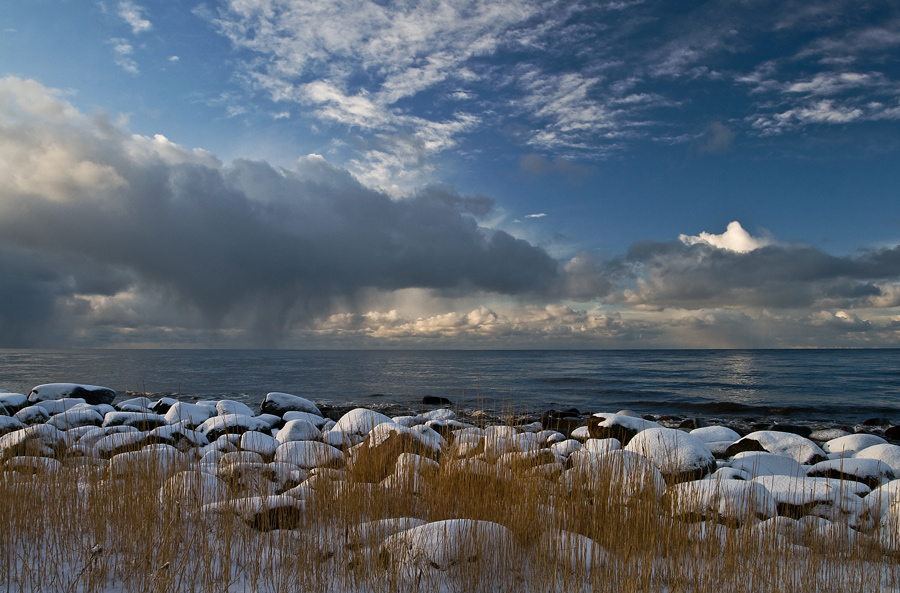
(103, 491)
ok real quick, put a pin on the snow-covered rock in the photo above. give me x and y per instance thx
(618, 426)
(679, 455)
(871, 472)
(264, 513)
(30, 415)
(309, 454)
(92, 394)
(152, 460)
(41, 440)
(193, 489)
(801, 449)
(360, 421)
(887, 454)
(238, 424)
(443, 544)
(227, 407)
(58, 406)
(120, 442)
(761, 463)
(139, 420)
(566, 447)
(620, 475)
(9, 424)
(298, 430)
(314, 419)
(798, 496)
(280, 403)
(715, 434)
(260, 443)
(192, 413)
(13, 402)
(75, 418)
(573, 552)
(723, 500)
(136, 404)
(602, 445)
(853, 442)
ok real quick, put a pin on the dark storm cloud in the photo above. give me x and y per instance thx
(287, 244)
(673, 274)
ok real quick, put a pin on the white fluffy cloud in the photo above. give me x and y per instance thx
(735, 238)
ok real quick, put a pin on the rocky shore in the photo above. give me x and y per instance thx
(799, 486)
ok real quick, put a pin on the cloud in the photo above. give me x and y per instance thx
(123, 51)
(734, 270)
(243, 245)
(735, 238)
(132, 14)
(539, 215)
(717, 138)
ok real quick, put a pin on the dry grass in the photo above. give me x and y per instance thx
(77, 528)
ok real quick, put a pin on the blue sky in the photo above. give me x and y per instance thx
(450, 174)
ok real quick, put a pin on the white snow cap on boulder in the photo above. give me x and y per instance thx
(730, 500)
(678, 455)
(853, 443)
(93, 394)
(801, 449)
(194, 414)
(360, 421)
(443, 544)
(716, 434)
(278, 403)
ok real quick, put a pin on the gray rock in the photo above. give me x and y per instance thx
(278, 403)
(92, 394)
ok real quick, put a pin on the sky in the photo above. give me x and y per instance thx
(450, 174)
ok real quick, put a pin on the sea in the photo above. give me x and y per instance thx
(834, 386)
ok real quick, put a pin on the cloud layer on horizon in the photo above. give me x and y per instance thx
(108, 237)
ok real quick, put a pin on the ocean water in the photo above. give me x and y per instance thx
(827, 385)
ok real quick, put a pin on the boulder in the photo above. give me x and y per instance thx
(260, 443)
(231, 424)
(31, 415)
(573, 552)
(887, 453)
(431, 400)
(120, 442)
(265, 513)
(795, 497)
(619, 476)
(226, 406)
(762, 463)
(852, 443)
(314, 419)
(679, 455)
(76, 418)
(9, 424)
(139, 420)
(716, 434)
(870, 472)
(156, 460)
(730, 502)
(617, 426)
(13, 402)
(280, 403)
(298, 430)
(192, 413)
(193, 489)
(444, 544)
(801, 449)
(309, 454)
(360, 421)
(91, 394)
(41, 440)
